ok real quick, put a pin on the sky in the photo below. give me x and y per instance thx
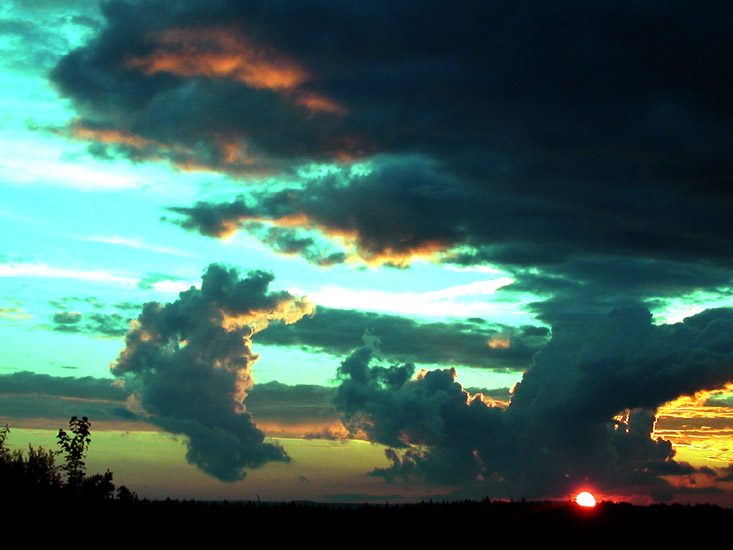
(372, 251)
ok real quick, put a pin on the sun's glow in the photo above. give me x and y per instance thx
(585, 499)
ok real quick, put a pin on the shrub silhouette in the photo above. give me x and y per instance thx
(36, 474)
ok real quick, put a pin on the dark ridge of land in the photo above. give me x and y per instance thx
(608, 525)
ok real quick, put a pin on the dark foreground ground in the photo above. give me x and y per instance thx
(485, 523)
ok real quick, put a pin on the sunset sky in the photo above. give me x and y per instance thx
(337, 251)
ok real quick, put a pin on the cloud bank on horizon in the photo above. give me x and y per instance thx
(579, 147)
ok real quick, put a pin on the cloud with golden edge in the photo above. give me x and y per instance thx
(189, 365)
(112, 137)
(227, 53)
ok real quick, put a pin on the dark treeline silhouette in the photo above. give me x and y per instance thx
(524, 524)
(56, 496)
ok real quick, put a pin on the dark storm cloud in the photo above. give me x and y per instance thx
(583, 413)
(407, 207)
(486, 345)
(189, 363)
(513, 135)
(593, 285)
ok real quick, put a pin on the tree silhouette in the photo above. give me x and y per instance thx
(74, 448)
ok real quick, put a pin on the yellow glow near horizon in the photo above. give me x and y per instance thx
(152, 463)
(701, 433)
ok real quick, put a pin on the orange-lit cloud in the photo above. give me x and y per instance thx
(308, 428)
(318, 103)
(428, 250)
(227, 53)
(350, 147)
(287, 312)
(696, 400)
(349, 239)
(233, 152)
(491, 402)
(219, 53)
(113, 137)
(498, 342)
(230, 152)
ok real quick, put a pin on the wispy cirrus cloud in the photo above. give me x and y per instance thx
(13, 269)
(157, 281)
(139, 244)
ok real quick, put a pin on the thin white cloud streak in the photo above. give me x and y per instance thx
(477, 288)
(42, 270)
(173, 287)
(436, 303)
(74, 175)
(45, 271)
(139, 244)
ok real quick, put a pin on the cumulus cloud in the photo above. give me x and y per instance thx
(189, 364)
(583, 413)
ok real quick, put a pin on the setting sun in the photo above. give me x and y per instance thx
(585, 499)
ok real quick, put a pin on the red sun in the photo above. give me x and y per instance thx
(585, 499)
